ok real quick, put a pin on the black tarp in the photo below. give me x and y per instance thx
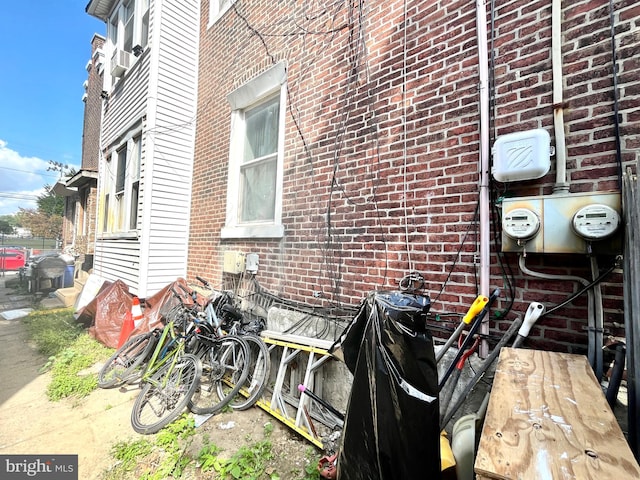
(391, 429)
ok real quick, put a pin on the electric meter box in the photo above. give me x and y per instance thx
(521, 156)
(234, 262)
(568, 223)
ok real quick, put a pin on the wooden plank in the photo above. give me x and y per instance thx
(549, 419)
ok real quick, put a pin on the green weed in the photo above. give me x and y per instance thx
(128, 453)
(250, 461)
(52, 330)
(70, 350)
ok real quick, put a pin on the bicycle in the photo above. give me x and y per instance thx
(224, 359)
(129, 362)
(259, 357)
(170, 380)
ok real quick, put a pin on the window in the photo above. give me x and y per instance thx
(121, 171)
(127, 32)
(254, 196)
(217, 9)
(135, 182)
(121, 187)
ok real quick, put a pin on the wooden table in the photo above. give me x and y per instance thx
(549, 419)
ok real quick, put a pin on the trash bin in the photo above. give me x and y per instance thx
(67, 280)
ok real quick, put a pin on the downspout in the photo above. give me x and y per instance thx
(483, 90)
(561, 185)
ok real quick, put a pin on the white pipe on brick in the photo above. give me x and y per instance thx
(483, 87)
(591, 349)
(561, 184)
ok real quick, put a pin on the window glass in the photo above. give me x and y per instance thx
(136, 153)
(129, 22)
(258, 192)
(261, 134)
(122, 170)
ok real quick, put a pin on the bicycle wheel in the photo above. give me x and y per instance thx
(128, 362)
(224, 362)
(258, 375)
(166, 394)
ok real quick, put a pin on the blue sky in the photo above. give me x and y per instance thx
(44, 48)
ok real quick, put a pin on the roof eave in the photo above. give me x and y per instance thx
(100, 8)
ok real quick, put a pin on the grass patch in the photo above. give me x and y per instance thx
(52, 330)
(69, 350)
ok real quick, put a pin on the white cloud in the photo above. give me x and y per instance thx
(22, 179)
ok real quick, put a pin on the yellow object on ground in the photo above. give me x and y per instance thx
(447, 459)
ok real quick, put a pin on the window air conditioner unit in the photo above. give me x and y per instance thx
(120, 63)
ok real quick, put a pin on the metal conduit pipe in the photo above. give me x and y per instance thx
(598, 336)
(591, 353)
(561, 184)
(483, 88)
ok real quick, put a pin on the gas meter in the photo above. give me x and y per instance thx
(596, 221)
(521, 224)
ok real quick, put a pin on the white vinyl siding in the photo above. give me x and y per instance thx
(160, 95)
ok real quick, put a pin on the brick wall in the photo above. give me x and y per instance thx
(382, 144)
(92, 111)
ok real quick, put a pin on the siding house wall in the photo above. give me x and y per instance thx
(159, 94)
(382, 146)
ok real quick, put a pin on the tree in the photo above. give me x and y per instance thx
(46, 221)
(49, 203)
(40, 223)
(5, 227)
(12, 220)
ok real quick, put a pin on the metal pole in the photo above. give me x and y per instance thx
(483, 87)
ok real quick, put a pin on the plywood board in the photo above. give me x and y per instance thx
(549, 419)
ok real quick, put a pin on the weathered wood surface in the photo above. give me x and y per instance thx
(548, 419)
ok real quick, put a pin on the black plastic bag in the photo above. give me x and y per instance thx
(391, 429)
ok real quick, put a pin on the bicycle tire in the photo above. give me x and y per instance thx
(126, 364)
(224, 360)
(166, 395)
(258, 375)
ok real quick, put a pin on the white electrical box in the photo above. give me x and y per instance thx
(234, 262)
(521, 156)
(564, 225)
(252, 263)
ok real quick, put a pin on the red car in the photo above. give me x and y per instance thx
(12, 259)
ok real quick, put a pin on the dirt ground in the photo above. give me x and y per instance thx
(89, 427)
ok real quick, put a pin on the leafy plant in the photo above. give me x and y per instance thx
(250, 461)
(208, 457)
(174, 440)
(129, 452)
(311, 465)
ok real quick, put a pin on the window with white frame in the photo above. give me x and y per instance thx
(254, 195)
(127, 32)
(121, 187)
(217, 9)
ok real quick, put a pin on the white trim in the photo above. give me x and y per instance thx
(269, 83)
(215, 12)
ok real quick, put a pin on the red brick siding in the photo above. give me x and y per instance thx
(92, 112)
(381, 168)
